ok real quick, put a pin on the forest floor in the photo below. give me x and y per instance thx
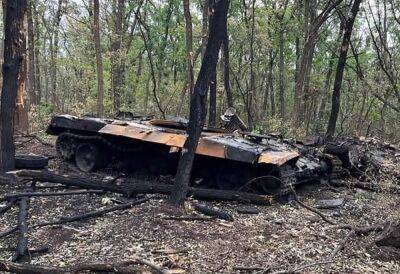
(281, 237)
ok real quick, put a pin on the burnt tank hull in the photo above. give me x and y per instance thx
(223, 160)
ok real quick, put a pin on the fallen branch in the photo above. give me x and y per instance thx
(135, 187)
(44, 194)
(316, 211)
(250, 268)
(46, 176)
(8, 206)
(341, 244)
(35, 137)
(94, 267)
(367, 186)
(8, 232)
(22, 245)
(92, 214)
(214, 212)
(301, 268)
(39, 250)
(188, 218)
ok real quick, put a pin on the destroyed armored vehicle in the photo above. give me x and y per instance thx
(224, 159)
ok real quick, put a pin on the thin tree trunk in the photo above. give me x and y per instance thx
(198, 101)
(117, 62)
(271, 83)
(251, 93)
(282, 75)
(14, 54)
(212, 111)
(54, 53)
(99, 58)
(38, 87)
(31, 78)
(227, 81)
(189, 46)
(340, 69)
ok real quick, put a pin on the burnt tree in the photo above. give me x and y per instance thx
(212, 111)
(340, 68)
(227, 81)
(14, 52)
(198, 101)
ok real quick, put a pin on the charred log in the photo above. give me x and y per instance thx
(93, 214)
(22, 245)
(142, 187)
(211, 211)
(11, 197)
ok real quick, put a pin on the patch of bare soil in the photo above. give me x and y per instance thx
(279, 238)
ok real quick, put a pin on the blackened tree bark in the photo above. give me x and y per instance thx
(227, 81)
(212, 110)
(99, 58)
(340, 68)
(14, 51)
(198, 101)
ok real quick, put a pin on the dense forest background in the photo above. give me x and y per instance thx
(276, 67)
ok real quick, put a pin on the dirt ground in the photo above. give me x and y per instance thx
(279, 238)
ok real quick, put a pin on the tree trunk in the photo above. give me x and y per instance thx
(31, 78)
(99, 58)
(212, 111)
(14, 54)
(38, 88)
(21, 114)
(328, 78)
(251, 93)
(282, 74)
(54, 54)
(340, 68)
(227, 81)
(117, 62)
(189, 46)
(198, 101)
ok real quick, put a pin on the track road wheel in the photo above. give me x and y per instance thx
(89, 157)
(65, 146)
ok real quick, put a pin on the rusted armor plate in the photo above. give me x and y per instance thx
(213, 143)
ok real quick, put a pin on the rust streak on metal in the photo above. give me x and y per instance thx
(277, 157)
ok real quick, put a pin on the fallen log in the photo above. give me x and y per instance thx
(214, 212)
(92, 214)
(39, 250)
(367, 186)
(8, 232)
(8, 206)
(82, 182)
(118, 267)
(45, 194)
(188, 218)
(22, 245)
(135, 187)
